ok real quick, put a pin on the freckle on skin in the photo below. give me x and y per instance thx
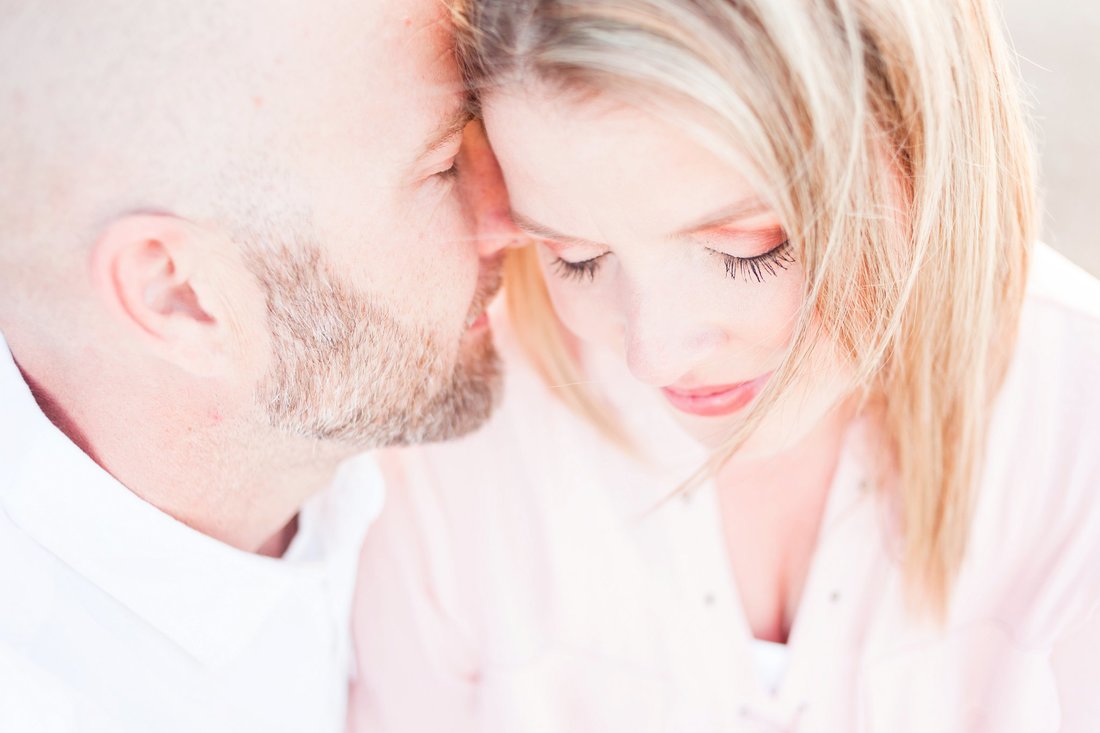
(258, 102)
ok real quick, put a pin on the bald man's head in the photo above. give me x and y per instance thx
(176, 176)
(120, 106)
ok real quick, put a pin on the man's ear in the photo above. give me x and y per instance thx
(146, 269)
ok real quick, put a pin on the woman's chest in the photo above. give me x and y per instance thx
(630, 647)
(769, 555)
(635, 622)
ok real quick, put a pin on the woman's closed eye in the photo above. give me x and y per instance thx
(757, 268)
(578, 271)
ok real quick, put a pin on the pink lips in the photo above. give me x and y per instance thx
(715, 400)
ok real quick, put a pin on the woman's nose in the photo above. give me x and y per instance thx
(666, 341)
(484, 190)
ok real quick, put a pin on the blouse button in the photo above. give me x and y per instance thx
(834, 597)
(709, 599)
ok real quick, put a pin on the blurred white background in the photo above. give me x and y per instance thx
(1058, 42)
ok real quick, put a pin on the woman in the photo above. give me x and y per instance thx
(800, 429)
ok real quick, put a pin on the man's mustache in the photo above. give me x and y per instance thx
(489, 282)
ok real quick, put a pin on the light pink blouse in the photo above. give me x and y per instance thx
(530, 578)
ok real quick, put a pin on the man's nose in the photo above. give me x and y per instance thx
(484, 189)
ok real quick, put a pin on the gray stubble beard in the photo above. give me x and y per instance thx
(349, 371)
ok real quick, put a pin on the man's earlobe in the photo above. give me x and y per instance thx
(145, 269)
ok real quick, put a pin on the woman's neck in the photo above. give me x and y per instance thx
(804, 469)
(771, 509)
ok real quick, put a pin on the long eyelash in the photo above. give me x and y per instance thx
(756, 268)
(577, 271)
(762, 266)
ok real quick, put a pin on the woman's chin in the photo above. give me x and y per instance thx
(781, 429)
(714, 432)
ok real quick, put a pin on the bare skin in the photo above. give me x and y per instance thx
(771, 512)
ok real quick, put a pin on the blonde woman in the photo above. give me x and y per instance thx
(801, 429)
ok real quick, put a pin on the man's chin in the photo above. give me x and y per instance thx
(354, 374)
(475, 390)
(466, 403)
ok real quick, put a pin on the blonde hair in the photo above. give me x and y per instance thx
(889, 137)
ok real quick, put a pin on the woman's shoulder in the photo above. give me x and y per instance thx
(1057, 354)
(1058, 349)
(1060, 287)
(1046, 422)
(1039, 508)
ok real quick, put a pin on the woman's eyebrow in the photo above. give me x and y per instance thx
(742, 209)
(542, 231)
(725, 216)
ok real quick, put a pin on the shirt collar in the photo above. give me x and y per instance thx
(206, 596)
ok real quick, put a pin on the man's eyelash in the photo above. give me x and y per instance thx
(762, 266)
(756, 268)
(451, 172)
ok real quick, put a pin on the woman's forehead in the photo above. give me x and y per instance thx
(572, 162)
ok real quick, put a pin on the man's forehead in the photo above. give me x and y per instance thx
(415, 52)
(420, 29)
(416, 92)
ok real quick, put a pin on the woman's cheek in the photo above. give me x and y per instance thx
(767, 312)
(587, 311)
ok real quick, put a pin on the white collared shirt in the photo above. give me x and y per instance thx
(116, 617)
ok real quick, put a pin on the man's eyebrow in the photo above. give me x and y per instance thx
(451, 127)
(541, 231)
(742, 209)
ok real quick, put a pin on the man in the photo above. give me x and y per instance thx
(235, 251)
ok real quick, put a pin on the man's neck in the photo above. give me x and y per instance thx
(279, 543)
(243, 487)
